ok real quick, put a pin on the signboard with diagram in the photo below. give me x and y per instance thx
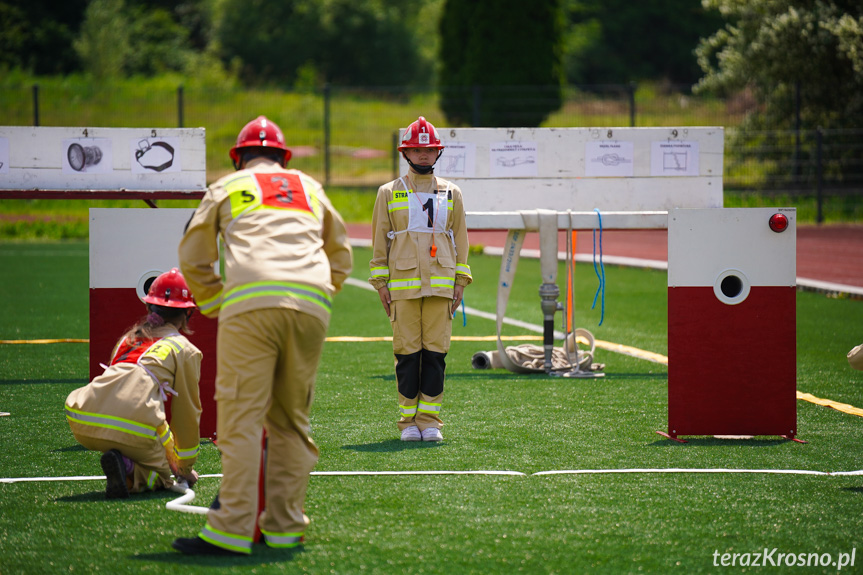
(582, 169)
(39, 162)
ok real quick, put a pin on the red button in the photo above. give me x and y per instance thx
(778, 222)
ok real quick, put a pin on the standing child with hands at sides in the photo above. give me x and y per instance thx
(419, 267)
(122, 412)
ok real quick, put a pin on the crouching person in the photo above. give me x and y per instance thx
(122, 411)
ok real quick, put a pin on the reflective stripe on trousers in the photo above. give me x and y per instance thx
(111, 422)
(228, 541)
(282, 540)
(424, 407)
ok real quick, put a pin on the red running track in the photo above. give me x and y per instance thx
(826, 253)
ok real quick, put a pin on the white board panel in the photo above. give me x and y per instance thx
(125, 243)
(581, 169)
(562, 152)
(529, 220)
(702, 244)
(134, 159)
(587, 194)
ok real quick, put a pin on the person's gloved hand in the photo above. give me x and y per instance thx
(190, 478)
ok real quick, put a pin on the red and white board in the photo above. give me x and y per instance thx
(732, 323)
(129, 248)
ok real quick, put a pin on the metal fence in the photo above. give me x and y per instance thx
(346, 136)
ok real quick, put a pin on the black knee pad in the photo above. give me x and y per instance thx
(408, 373)
(433, 373)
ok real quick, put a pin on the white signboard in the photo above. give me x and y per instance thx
(584, 169)
(103, 159)
(4, 155)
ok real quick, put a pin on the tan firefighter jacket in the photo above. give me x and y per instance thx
(126, 403)
(285, 245)
(414, 216)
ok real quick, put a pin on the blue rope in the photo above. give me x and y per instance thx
(463, 315)
(601, 286)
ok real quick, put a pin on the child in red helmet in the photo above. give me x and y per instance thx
(122, 412)
(419, 268)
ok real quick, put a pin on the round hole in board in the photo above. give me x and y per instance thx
(731, 287)
(145, 281)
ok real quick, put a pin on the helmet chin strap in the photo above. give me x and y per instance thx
(423, 170)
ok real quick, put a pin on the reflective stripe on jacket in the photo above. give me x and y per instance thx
(284, 244)
(414, 216)
(125, 402)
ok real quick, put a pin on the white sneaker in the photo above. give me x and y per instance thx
(411, 433)
(432, 434)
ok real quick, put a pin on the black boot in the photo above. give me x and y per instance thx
(197, 546)
(115, 473)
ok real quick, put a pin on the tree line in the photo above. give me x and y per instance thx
(375, 42)
(801, 60)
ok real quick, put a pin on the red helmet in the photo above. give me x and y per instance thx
(170, 290)
(420, 134)
(260, 133)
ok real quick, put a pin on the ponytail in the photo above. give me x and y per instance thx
(157, 317)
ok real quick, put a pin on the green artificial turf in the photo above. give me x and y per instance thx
(527, 522)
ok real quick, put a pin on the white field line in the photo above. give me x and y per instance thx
(805, 283)
(606, 345)
(619, 348)
(469, 310)
(181, 503)
(588, 258)
(648, 470)
(481, 472)
(685, 470)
